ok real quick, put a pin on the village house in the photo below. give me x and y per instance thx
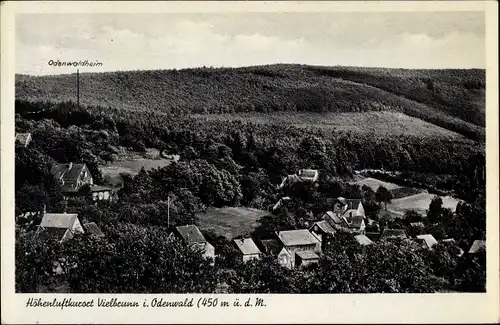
(306, 258)
(247, 248)
(23, 139)
(93, 229)
(60, 226)
(321, 228)
(303, 175)
(71, 177)
(393, 233)
(102, 193)
(426, 241)
(310, 175)
(294, 241)
(479, 246)
(191, 235)
(281, 202)
(347, 215)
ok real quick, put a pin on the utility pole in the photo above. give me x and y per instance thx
(78, 88)
(168, 211)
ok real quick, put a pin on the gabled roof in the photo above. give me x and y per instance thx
(333, 219)
(297, 237)
(23, 138)
(324, 226)
(271, 246)
(191, 234)
(53, 233)
(58, 220)
(307, 255)
(428, 239)
(393, 233)
(363, 240)
(352, 203)
(93, 229)
(246, 246)
(478, 246)
(63, 170)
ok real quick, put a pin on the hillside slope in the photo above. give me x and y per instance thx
(452, 99)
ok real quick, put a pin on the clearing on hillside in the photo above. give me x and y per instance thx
(231, 222)
(377, 123)
(419, 203)
(111, 172)
(374, 184)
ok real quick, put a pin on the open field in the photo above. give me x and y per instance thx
(112, 171)
(377, 123)
(420, 203)
(231, 222)
(374, 184)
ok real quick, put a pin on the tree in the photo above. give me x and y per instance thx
(383, 195)
(435, 211)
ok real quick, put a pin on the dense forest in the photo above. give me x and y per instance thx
(453, 99)
(240, 163)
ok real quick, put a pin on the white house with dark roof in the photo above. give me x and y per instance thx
(348, 215)
(247, 248)
(321, 228)
(71, 176)
(310, 175)
(191, 235)
(60, 226)
(293, 241)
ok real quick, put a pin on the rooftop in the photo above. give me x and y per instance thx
(428, 239)
(93, 229)
(58, 220)
(478, 246)
(297, 237)
(307, 255)
(247, 246)
(191, 234)
(363, 240)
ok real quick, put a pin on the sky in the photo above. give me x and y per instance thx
(427, 40)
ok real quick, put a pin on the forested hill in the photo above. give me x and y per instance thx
(453, 99)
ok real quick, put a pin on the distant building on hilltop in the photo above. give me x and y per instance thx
(303, 175)
(60, 226)
(295, 241)
(247, 248)
(23, 139)
(191, 235)
(71, 177)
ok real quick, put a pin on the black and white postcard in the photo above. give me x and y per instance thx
(249, 162)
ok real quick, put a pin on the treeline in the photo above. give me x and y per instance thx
(453, 99)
